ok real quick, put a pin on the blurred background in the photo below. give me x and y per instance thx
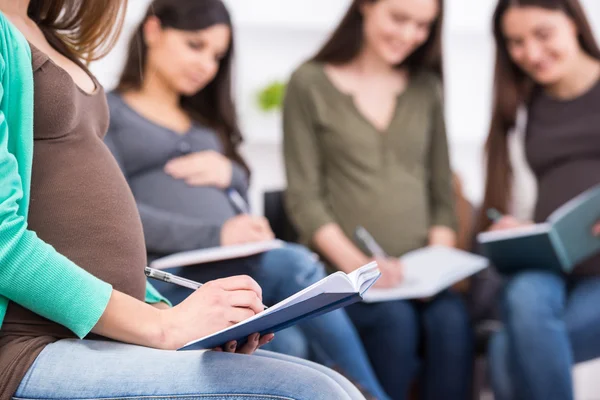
(274, 36)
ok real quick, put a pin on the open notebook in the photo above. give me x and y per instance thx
(215, 254)
(428, 271)
(330, 293)
(558, 244)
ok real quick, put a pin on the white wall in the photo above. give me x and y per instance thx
(274, 36)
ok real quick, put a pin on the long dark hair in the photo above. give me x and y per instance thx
(513, 88)
(81, 30)
(213, 106)
(347, 41)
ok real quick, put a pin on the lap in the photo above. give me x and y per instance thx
(75, 369)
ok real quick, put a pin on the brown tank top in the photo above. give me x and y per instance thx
(80, 204)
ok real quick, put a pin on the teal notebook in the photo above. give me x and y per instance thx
(559, 244)
(330, 293)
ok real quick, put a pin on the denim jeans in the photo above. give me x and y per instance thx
(549, 325)
(281, 273)
(406, 339)
(87, 369)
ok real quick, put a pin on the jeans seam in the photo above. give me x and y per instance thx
(183, 396)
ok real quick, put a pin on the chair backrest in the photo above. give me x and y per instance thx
(275, 213)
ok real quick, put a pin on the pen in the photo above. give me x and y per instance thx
(238, 201)
(494, 215)
(174, 279)
(170, 278)
(365, 238)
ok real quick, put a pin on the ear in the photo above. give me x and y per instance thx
(152, 31)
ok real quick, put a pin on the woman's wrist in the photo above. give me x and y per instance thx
(165, 331)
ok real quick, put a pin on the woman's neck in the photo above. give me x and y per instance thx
(15, 8)
(369, 63)
(583, 76)
(155, 88)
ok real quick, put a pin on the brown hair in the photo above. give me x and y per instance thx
(347, 40)
(81, 30)
(513, 88)
(212, 106)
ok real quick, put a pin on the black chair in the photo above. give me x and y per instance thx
(274, 211)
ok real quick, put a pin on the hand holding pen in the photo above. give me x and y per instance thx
(213, 307)
(502, 222)
(390, 267)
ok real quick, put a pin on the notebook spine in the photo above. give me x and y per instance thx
(560, 249)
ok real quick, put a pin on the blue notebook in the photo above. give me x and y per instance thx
(332, 292)
(559, 244)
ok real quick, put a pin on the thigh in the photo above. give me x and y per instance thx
(285, 271)
(532, 296)
(83, 369)
(583, 319)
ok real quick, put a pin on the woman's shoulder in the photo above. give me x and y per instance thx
(307, 73)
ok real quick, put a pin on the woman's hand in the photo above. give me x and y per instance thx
(508, 222)
(206, 168)
(215, 306)
(246, 229)
(254, 343)
(442, 236)
(391, 273)
(596, 229)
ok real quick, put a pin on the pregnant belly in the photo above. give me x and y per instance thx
(157, 189)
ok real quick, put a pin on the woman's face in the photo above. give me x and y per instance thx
(394, 29)
(542, 42)
(186, 60)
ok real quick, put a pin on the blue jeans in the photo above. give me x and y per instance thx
(549, 325)
(87, 369)
(404, 338)
(281, 273)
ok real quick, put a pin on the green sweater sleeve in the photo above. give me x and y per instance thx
(153, 296)
(32, 273)
(303, 157)
(440, 170)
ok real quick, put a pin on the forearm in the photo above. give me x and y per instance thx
(331, 241)
(442, 236)
(129, 320)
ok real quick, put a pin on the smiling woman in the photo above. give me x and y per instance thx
(365, 145)
(547, 69)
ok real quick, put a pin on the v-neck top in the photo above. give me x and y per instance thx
(342, 169)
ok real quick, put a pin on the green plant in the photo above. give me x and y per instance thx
(271, 97)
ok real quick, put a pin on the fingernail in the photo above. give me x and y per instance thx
(232, 346)
(271, 339)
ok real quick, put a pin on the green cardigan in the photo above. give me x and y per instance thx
(32, 273)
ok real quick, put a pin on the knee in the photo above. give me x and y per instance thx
(314, 384)
(531, 297)
(448, 312)
(299, 262)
